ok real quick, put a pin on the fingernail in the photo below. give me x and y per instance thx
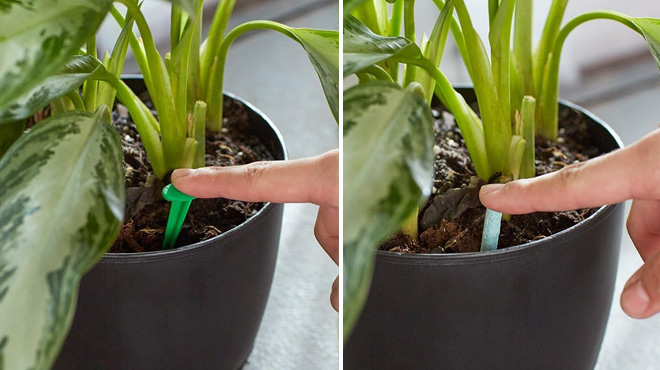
(488, 189)
(182, 172)
(634, 300)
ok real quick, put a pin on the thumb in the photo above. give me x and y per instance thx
(641, 295)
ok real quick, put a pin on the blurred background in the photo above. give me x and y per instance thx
(299, 329)
(606, 68)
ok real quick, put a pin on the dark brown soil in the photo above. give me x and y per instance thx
(452, 219)
(147, 212)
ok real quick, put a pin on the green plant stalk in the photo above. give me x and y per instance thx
(171, 129)
(409, 32)
(493, 7)
(395, 31)
(378, 72)
(175, 26)
(527, 117)
(106, 94)
(517, 89)
(522, 44)
(211, 46)
(409, 226)
(199, 124)
(138, 50)
(90, 87)
(467, 120)
(58, 106)
(75, 98)
(496, 124)
(459, 39)
(548, 37)
(516, 153)
(549, 107)
(144, 122)
(214, 97)
(500, 41)
(436, 47)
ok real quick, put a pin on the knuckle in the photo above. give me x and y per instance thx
(256, 169)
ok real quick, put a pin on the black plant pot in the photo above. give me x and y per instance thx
(196, 307)
(542, 305)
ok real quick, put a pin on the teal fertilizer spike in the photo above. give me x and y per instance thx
(180, 205)
(491, 234)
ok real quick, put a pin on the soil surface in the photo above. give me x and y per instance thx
(452, 219)
(146, 210)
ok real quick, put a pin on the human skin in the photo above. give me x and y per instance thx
(309, 180)
(630, 173)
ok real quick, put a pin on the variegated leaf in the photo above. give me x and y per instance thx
(78, 69)
(61, 206)
(322, 47)
(363, 48)
(38, 36)
(388, 171)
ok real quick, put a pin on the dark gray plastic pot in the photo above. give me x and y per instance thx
(196, 307)
(542, 305)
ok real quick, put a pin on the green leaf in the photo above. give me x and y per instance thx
(363, 48)
(76, 71)
(322, 47)
(38, 36)
(650, 28)
(61, 206)
(388, 171)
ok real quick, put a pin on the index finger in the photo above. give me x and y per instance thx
(308, 180)
(618, 176)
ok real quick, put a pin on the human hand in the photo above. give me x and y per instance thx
(630, 173)
(309, 180)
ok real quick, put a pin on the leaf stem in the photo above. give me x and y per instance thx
(214, 97)
(548, 109)
(409, 32)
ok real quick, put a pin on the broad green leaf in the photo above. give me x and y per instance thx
(388, 171)
(38, 36)
(363, 48)
(650, 28)
(61, 206)
(322, 47)
(78, 69)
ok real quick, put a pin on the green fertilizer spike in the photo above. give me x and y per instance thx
(491, 231)
(180, 205)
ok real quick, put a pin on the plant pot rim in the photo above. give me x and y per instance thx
(517, 250)
(228, 235)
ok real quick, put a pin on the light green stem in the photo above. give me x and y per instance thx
(467, 120)
(527, 117)
(172, 130)
(409, 32)
(90, 87)
(214, 97)
(549, 107)
(552, 25)
(395, 31)
(211, 46)
(75, 98)
(497, 125)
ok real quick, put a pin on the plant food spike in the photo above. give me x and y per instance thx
(491, 233)
(180, 205)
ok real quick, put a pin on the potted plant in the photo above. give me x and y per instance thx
(62, 201)
(530, 303)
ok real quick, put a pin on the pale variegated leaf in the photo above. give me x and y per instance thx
(38, 36)
(322, 47)
(78, 69)
(388, 171)
(61, 206)
(363, 48)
